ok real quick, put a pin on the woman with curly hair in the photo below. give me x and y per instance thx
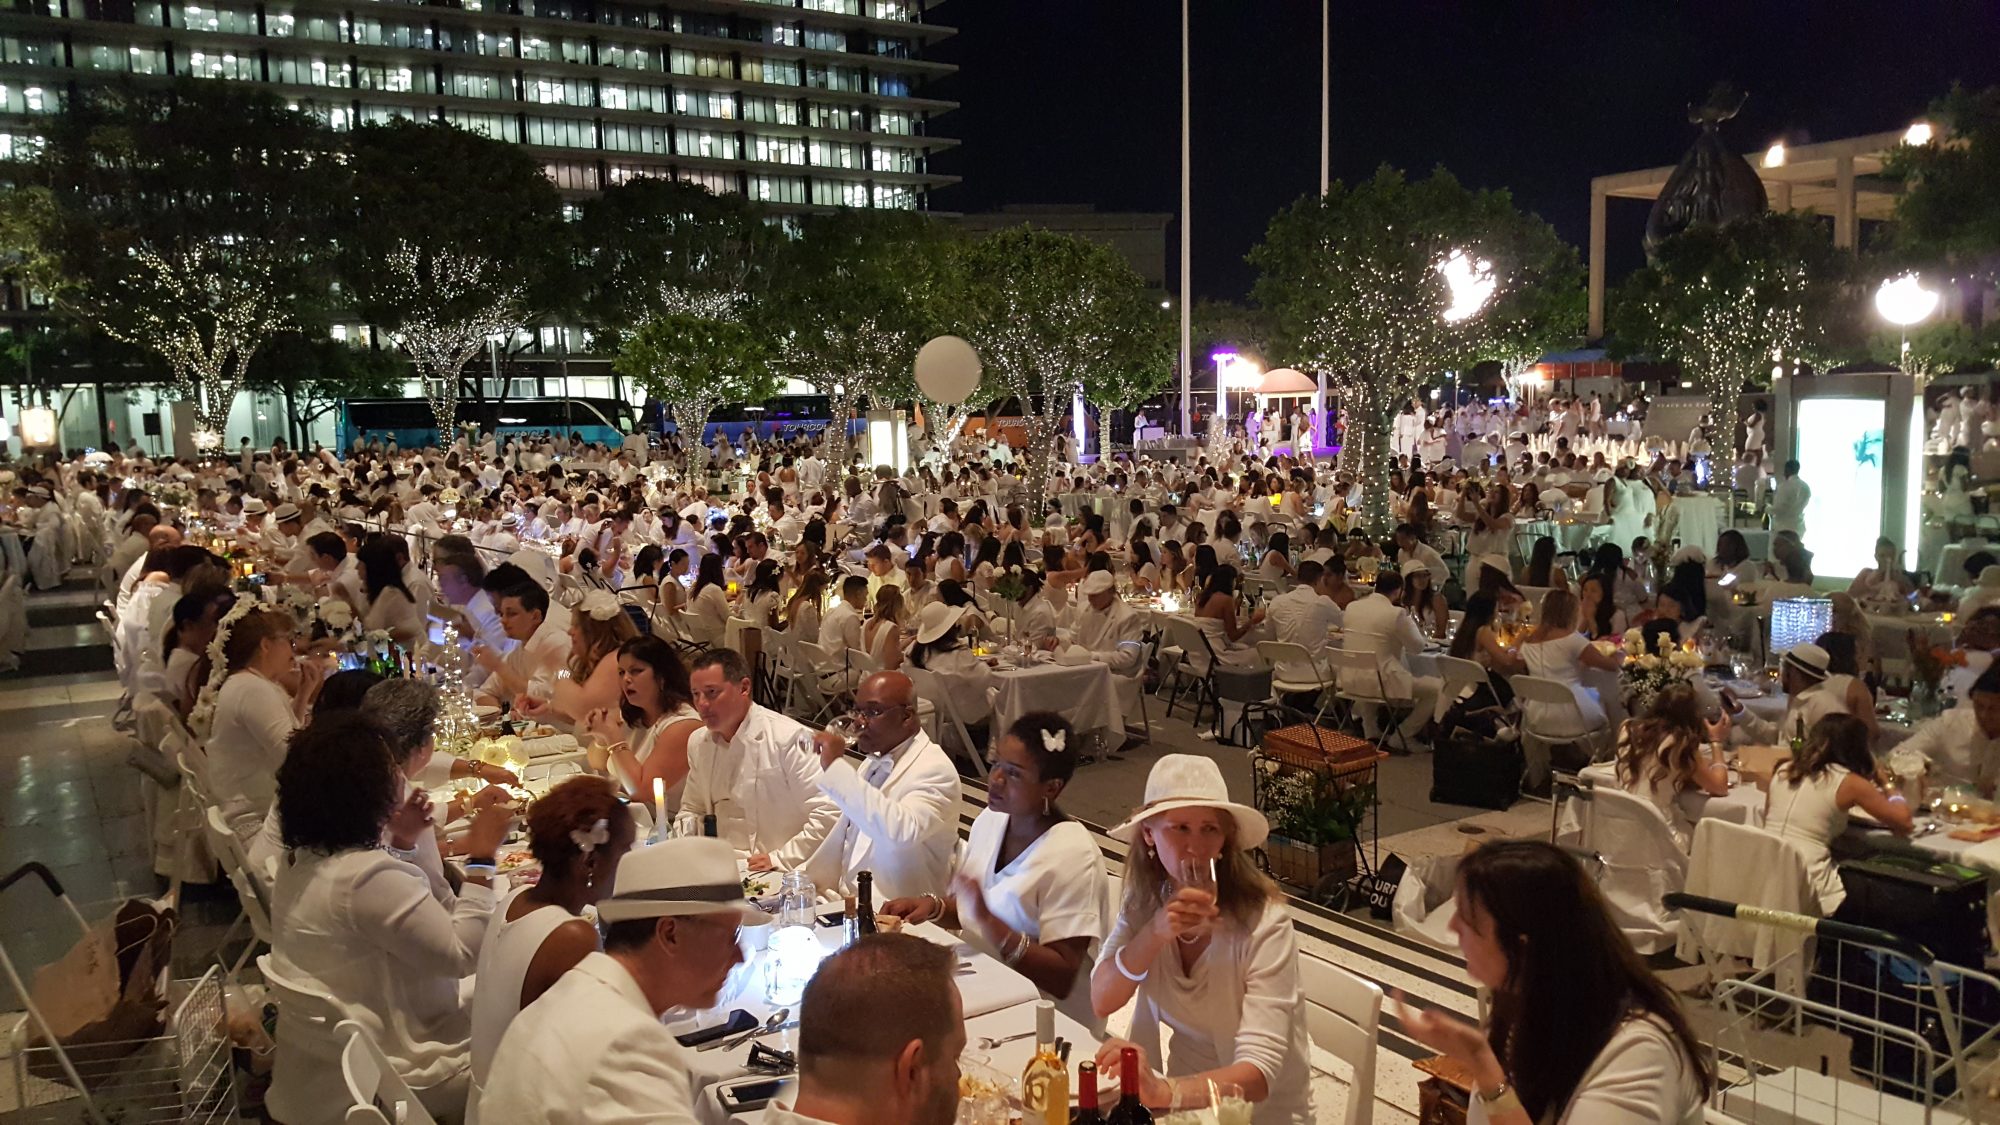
(577, 832)
(597, 626)
(1669, 751)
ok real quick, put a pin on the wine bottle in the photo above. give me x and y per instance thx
(1129, 1110)
(864, 903)
(1086, 1096)
(1045, 1082)
(708, 825)
(1799, 738)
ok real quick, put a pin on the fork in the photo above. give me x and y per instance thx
(987, 1044)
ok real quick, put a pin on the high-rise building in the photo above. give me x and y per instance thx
(798, 103)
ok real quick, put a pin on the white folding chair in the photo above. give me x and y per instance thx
(814, 669)
(1540, 735)
(1358, 682)
(1642, 863)
(1343, 1016)
(307, 1074)
(932, 689)
(1197, 665)
(1458, 674)
(249, 885)
(376, 1094)
(1296, 671)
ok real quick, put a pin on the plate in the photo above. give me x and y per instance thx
(1743, 689)
(486, 711)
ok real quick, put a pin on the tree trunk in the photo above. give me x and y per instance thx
(836, 437)
(1042, 430)
(1726, 400)
(1365, 451)
(691, 420)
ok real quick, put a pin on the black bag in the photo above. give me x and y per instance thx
(1483, 773)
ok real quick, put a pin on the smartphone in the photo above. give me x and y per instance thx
(752, 1095)
(352, 662)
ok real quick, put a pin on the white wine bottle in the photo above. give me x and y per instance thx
(1045, 1083)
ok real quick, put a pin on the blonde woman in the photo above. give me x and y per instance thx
(1204, 944)
(597, 626)
(1556, 651)
(882, 637)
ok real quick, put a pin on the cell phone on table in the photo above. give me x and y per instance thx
(751, 1095)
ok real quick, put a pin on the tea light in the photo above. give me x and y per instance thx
(660, 807)
(249, 568)
(732, 589)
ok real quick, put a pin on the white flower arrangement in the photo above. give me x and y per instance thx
(201, 720)
(448, 497)
(335, 614)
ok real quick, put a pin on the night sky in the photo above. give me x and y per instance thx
(1077, 101)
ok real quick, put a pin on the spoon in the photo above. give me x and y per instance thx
(778, 1017)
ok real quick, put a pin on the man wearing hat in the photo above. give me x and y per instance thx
(1101, 622)
(1812, 692)
(251, 531)
(592, 1048)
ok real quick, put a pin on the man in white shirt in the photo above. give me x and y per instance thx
(899, 810)
(1376, 624)
(881, 1029)
(840, 629)
(1305, 615)
(1105, 625)
(540, 649)
(1409, 546)
(753, 769)
(593, 1050)
(883, 568)
(460, 574)
(1963, 744)
(1788, 502)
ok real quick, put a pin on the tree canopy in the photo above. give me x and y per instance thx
(695, 364)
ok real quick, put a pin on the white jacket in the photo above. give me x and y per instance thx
(589, 1051)
(904, 831)
(762, 787)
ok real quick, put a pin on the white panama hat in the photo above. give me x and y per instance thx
(1189, 781)
(681, 876)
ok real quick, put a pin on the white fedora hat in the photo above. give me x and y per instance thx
(685, 875)
(1189, 781)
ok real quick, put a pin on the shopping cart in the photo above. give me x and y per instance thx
(1850, 1024)
(180, 1075)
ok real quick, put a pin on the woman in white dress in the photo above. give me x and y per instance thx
(578, 832)
(1204, 944)
(263, 700)
(1031, 887)
(708, 604)
(1580, 1032)
(1810, 798)
(1554, 650)
(367, 927)
(391, 605)
(644, 739)
(762, 598)
(882, 636)
(1671, 751)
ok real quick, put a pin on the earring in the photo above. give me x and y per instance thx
(1047, 806)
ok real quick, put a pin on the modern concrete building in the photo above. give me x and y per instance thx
(1841, 179)
(799, 103)
(1140, 237)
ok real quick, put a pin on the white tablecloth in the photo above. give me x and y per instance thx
(1771, 707)
(1083, 694)
(13, 560)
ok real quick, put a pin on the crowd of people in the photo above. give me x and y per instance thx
(596, 592)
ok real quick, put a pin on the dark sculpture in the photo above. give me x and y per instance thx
(1712, 184)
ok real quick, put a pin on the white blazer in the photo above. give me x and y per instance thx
(905, 831)
(589, 1051)
(762, 786)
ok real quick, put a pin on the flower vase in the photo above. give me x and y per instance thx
(1926, 701)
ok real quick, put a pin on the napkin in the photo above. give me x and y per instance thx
(1073, 656)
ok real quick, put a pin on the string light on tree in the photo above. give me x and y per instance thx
(456, 302)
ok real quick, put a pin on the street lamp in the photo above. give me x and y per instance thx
(1903, 301)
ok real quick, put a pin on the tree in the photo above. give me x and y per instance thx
(695, 364)
(1949, 214)
(316, 375)
(1729, 302)
(1354, 282)
(192, 221)
(852, 298)
(1049, 313)
(1939, 347)
(651, 244)
(455, 238)
(1544, 312)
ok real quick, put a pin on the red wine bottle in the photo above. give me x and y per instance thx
(1086, 1097)
(1129, 1110)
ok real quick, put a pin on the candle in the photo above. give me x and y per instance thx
(659, 808)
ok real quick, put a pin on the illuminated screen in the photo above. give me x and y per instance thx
(1913, 489)
(1840, 459)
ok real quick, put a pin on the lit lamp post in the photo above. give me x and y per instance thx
(1903, 301)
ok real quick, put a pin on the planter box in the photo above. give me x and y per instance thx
(1311, 866)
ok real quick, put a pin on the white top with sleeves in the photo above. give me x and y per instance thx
(708, 612)
(1054, 890)
(504, 957)
(1641, 1077)
(394, 611)
(366, 928)
(1241, 1003)
(898, 818)
(762, 786)
(591, 1051)
(253, 722)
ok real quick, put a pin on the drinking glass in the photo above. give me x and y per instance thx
(847, 728)
(799, 900)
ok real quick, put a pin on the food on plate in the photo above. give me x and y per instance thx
(513, 861)
(888, 923)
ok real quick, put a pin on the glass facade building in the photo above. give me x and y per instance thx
(799, 103)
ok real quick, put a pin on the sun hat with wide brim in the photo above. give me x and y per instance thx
(682, 876)
(1189, 781)
(936, 620)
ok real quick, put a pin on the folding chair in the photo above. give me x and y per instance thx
(1354, 689)
(1538, 738)
(1198, 665)
(307, 1074)
(932, 690)
(376, 1094)
(1343, 1016)
(1458, 674)
(1296, 671)
(249, 885)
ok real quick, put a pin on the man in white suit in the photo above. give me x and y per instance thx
(592, 1049)
(756, 771)
(1377, 624)
(899, 809)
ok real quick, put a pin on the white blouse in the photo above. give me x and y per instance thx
(709, 611)
(253, 723)
(366, 928)
(1241, 1003)
(1054, 890)
(1641, 1077)
(396, 612)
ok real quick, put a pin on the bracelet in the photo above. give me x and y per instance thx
(937, 900)
(1118, 960)
(1021, 944)
(480, 870)
(1500, 1101)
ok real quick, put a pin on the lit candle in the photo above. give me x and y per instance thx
(659, 808)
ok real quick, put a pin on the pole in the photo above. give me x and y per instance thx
(1187, 251)
(1325, 177)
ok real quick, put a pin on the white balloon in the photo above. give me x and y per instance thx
(948, 370)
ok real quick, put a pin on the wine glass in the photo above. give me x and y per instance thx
(847, 728)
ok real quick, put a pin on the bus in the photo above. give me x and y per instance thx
(408, 421)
